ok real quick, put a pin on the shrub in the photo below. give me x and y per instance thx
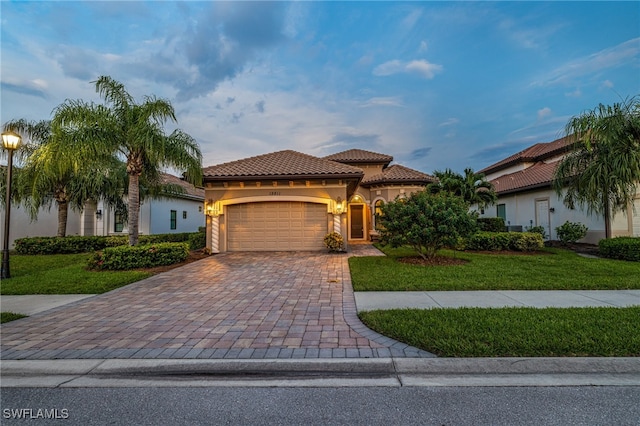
(197, 240)
(496, 241)
(426, 222)
(491, 224)
(60, 245)
(625, 248)
(538, 230)
(79, 244)
(334, 242)
(570, 232)
(140, 256)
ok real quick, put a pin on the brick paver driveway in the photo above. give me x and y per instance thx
(232, 305)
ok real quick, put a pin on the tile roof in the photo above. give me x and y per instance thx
(281, 165)
(398, 174)
(538, 175)
(189, 190)
(532, 154)
(359, 156)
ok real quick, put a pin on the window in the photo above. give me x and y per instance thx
(184, 214)
(502, 211)
(118, 222)
(378, 213)
(174, 219)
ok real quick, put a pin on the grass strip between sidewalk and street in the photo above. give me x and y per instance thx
(62, 274)
(550, 269)
(513, 332)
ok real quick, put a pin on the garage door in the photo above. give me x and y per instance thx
(276, 226)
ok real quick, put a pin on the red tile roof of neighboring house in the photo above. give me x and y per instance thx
(536, 176)
(360, 156)
(535, 153)
(281, 165)
(189, 190)
(398, 174)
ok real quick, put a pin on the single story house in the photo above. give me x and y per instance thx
(288, 201)
(523, 182)
(172, 213)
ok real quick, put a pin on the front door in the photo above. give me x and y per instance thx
(356, 218)
(542, 216)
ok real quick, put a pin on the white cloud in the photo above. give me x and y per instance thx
(575, 94)
(607, 84)
(423, 46)
(449, 122)
(613, 57)
(421, 67)
(393, 101)
(544, 112)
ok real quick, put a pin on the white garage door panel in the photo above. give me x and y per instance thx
(272, 226)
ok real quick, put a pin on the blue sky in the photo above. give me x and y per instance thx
(435, 84)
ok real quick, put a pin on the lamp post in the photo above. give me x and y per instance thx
(10, 142)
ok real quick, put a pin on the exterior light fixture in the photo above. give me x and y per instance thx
(339, 206)
(212, 209)
(10, 141)
(98, 214)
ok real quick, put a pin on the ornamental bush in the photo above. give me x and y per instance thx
(334, 242)
(625, 248)
(570, 232)
(538, 230)
(426, 222)
(80, 244)
(497, 241)
(140, 256)
(491, 224)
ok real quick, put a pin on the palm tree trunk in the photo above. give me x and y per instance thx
(607, 218)
(134, 208)
(63, 212)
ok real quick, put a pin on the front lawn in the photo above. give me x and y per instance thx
(552, 269)
(10, 316)
(62, 274)
(513, 332)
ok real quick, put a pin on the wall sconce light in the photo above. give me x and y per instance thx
(211, 208)
(552, 209)
(98, 214)
(338, 206)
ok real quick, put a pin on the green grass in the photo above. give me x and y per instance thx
(10, 316)
(513, 332)
(556, 269)
(62, 274)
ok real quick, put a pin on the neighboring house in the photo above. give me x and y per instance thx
(523, 182)
(288, 201)
(170, 214)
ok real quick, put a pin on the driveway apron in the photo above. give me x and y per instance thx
(232, 305)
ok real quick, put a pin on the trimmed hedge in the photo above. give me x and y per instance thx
(491, 224)
(197, 240)
(625, 248)
(570, 232)
(140, 256)
(77, 244)
(496, 241)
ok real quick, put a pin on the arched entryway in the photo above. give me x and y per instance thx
(357, 219)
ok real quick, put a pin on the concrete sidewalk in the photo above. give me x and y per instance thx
(36, 303)
(370, 300)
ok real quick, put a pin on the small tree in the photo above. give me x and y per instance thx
(426, 222)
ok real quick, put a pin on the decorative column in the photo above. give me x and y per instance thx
(337, 223)
(215, 234)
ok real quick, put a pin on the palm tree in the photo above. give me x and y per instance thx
(47, 176)
(133, 131)
(473, 187)
(602, 171)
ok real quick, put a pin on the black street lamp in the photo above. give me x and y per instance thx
(10, 142)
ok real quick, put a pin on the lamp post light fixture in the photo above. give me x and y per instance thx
(10, 141)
